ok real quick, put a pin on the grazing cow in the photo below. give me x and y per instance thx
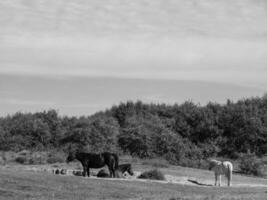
(123, 168)
(92, 160)
(103, 174)
(221, 168)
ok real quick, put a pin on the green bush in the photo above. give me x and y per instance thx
(37, 158)
(24, 153)
(36, 161)
(56, 157)
(52, 160)
(154, 174)
(32, 158)
(156, 162)
(3, 158)
(182, 134)
(22, 157)
(250, 164)
(21, 160)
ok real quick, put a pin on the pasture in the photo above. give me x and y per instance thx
(20, 182)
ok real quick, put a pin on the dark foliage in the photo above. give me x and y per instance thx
(154, 174)
(250, 164)
(182, 134)
(21, 160)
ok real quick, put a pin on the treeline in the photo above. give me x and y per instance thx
(182, 134)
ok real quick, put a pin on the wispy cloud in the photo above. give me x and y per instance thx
(124, 38)
(192, 58)
(207, 40)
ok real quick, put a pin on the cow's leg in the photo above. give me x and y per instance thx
(84, 170)
(88, 171)
(216, 177)
(219, 180)
(229, 177)
(113, 172)
(110, 172)
(229, 181)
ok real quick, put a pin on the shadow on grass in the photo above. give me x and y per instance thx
(197, 183)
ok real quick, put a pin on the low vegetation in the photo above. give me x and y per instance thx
(184, 134)
(156, 162)
(24, 184)
(250, 164)
(32, 157)
(154, 174)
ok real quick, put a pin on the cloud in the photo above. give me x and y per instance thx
(160, 39)
(192, 58)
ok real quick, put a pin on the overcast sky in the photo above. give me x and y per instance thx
(82, 56)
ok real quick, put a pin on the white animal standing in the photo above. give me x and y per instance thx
(221, 168)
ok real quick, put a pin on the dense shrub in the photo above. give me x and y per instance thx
(37, 158)
(154, 174)
(21, 160)
(2, 161)
(23, 156)
(156, 162)
(56, 157)
(250, 164)
(183, 152)
(182, 134)
(32, 158)
(8, 156)
(25, 153)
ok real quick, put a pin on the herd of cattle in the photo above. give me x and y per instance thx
(121, 172)
(89, 160)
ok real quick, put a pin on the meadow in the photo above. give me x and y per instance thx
(18, 182)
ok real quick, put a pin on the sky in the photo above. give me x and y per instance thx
(83, 56)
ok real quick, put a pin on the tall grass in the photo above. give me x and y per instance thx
(154, 174)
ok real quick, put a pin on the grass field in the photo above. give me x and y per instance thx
(18, 183)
